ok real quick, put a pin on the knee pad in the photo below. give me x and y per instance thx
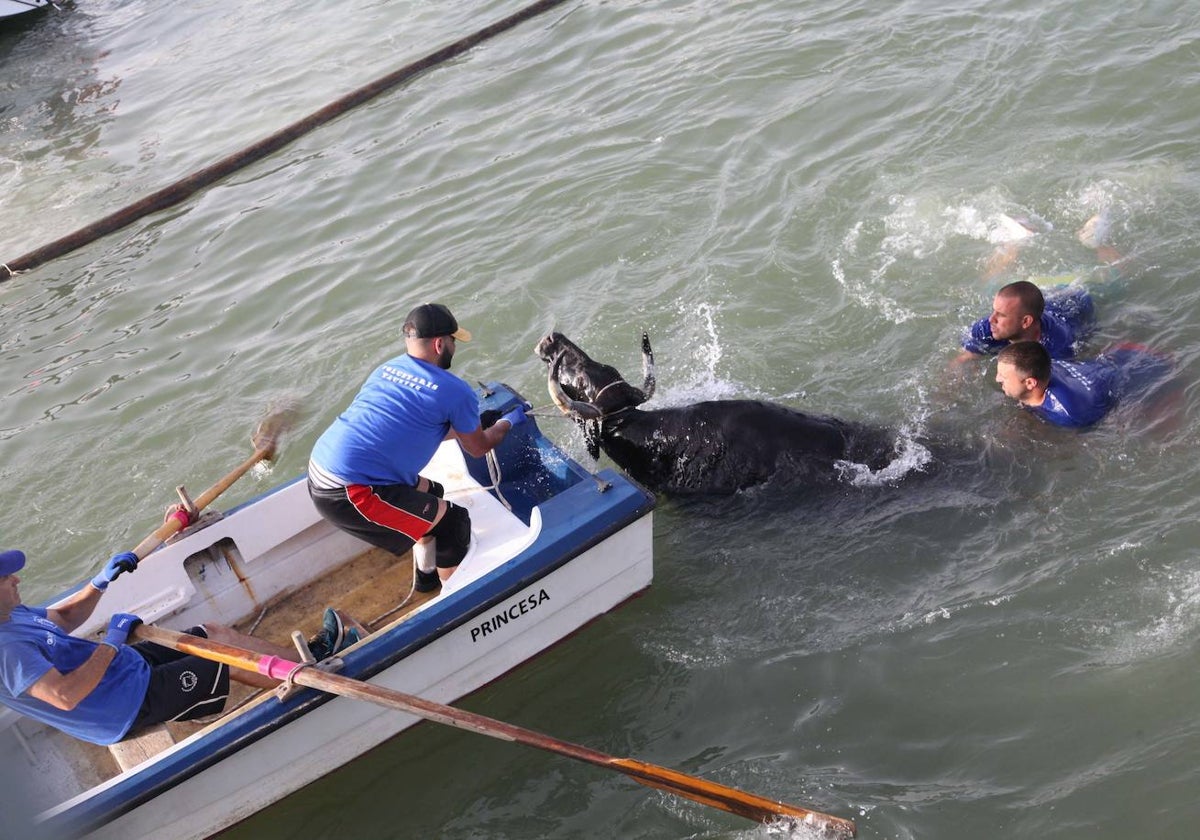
(453, 533)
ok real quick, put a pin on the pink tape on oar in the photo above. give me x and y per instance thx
(181, 516)
(276, 667)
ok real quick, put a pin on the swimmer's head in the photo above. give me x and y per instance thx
(1020, 362)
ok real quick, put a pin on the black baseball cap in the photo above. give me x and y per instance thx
(433, 320)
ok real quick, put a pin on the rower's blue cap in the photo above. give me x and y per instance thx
(11, 562)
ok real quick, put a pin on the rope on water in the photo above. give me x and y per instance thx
(187, 186)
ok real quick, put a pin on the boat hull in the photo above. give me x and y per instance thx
(553, 548)
(448, 668)
(9, 8)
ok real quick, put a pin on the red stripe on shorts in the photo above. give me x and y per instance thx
(374, 509)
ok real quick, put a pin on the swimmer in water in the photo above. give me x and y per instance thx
(1021, 312)
(1078, 394)
(1058, 319)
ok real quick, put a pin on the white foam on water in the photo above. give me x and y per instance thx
(867, 290)
(879, 256)
(1168, 601)
(945, 612)
(911, 456)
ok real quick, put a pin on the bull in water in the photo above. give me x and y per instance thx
(717, 446)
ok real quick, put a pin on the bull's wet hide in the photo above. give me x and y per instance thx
(716, 446)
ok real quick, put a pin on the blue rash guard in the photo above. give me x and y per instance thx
(1082, 393)
(400, 416)
(1067, 317)
(31, 644)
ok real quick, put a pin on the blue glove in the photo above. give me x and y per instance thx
(119, 628)
(126, 561)
(516, 416)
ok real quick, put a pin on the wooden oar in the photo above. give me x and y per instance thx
(699, 790)
(265, 440)
(185, 187)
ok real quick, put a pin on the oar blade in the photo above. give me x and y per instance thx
(732, 800)
(281, 415)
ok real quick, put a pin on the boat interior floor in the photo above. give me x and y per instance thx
(367, 589)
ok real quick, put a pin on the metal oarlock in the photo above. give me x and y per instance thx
(192, 511)
(331, 665)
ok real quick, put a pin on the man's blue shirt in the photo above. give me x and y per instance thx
(31, 644)
(396, 422)
(1080, 394)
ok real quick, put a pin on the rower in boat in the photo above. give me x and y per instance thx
(554, 546)
(101, 691)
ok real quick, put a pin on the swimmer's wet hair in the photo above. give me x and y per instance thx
(1031, 298)
(1029, 358)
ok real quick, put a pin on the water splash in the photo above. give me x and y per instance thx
(911, 456)
(705, 383)
(867, 290)
(1168, 614)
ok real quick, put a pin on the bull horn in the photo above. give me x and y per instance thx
(647, 368)
(572, 408)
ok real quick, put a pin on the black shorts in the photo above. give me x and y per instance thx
(182, 686)
(389, 516)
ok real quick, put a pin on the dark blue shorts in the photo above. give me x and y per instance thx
(182, 686)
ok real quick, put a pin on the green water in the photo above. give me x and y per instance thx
(796, 200)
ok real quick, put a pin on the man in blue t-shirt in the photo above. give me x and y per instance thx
(1059, 318)
(100, 691)
(1078, 394)
(1020, 312)
(364, 473)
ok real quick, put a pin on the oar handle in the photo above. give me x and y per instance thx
(699, 790)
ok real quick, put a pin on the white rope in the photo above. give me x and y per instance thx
(494, 474)
(412, 590)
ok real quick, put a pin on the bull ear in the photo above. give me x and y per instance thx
(648, 381)
(572, 408)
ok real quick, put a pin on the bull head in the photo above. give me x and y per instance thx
(586, 389)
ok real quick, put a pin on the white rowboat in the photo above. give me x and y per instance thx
(553, 547)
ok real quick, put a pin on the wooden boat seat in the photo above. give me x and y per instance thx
(364, 588)
(136, 748)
